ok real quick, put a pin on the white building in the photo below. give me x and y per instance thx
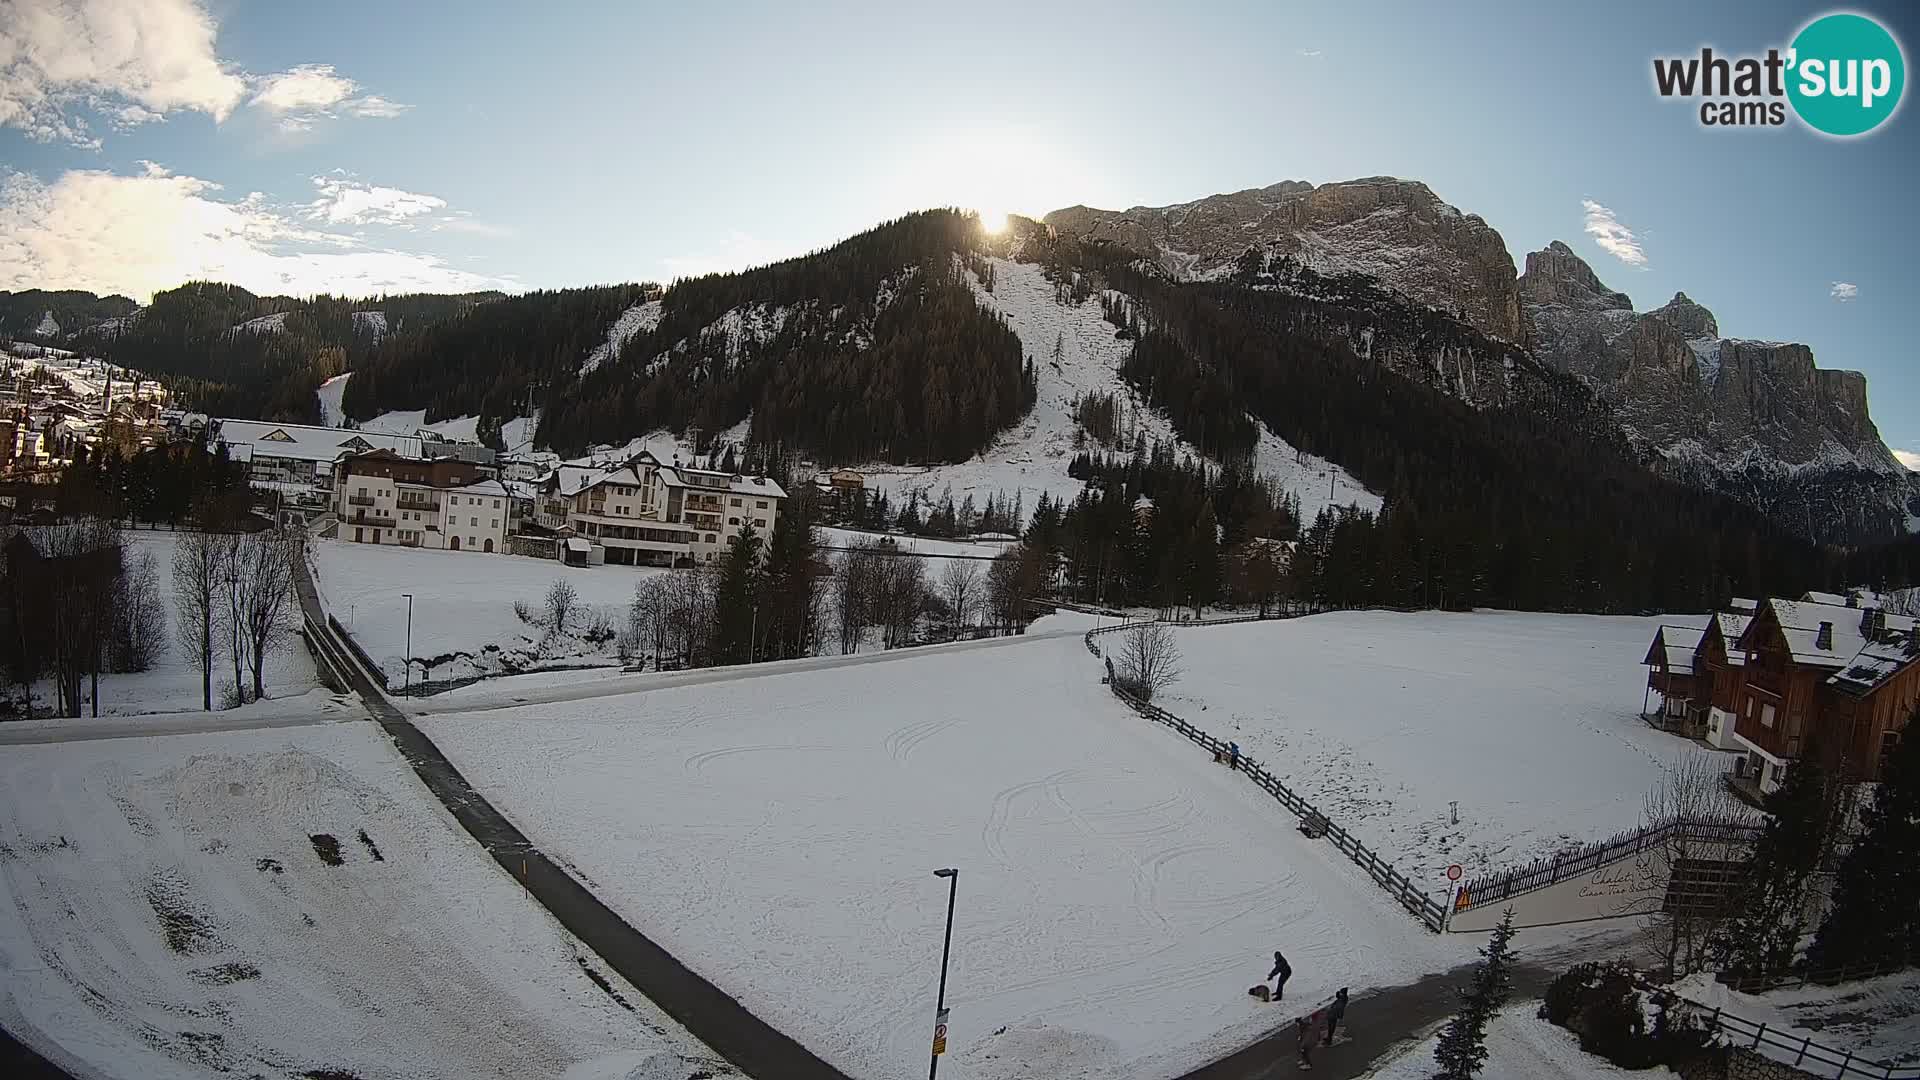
(441, 503)
(300, 457)
(651, 514)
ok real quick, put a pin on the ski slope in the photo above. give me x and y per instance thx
(166, 913)
(1032, 457)
(1118, 891)
(1382, 719)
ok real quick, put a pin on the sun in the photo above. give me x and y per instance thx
(992, 221)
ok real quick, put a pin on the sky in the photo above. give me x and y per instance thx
(358, 148)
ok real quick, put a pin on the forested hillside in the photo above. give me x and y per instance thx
(23, 314)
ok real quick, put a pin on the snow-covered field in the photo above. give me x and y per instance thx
(1032, 457)
(463, 619)
(1118, 892)
(173, 683)
(1382, 719)
(1520, 1046)
(165, 911)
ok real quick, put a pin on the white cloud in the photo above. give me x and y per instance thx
(1844, 291)
(1909, 458)
(1308, 52)
(156, 55)
(737, 251)
(350, 202)
(1613, 237)
(108, 233)
(302, 95)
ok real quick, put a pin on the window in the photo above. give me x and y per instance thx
(1766, 716)
(711, 540)
(760, 504)
(733, 521)
(761, 522)
(734, 502)
(473, 522)
(360, 491)
(496, 504)
(496, 523)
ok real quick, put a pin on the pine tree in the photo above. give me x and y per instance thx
(1760, 941)
(1876, 904)
(1463, 1044)
(735, 610)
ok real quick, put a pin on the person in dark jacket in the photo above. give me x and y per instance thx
(1335, 1013)
(1306, 1029)
(1282, 971)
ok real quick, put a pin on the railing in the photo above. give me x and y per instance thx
(1431, 913)
(417, 504)
(1551, 870)
(1800, 1053)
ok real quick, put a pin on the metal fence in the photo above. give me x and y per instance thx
(1798, 1052)
(1495, 888)
(1432, 913)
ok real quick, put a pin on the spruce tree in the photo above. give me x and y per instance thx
(1875, 916)
(1760, 941)
(1463, 1044)
(735, 600)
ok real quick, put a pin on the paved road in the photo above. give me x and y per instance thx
(716, 1019)
(486, 699)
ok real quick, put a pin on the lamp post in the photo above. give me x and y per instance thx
(940, 1008)
(406, 681)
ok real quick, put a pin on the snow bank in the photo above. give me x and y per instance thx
(165, 912)
(463, 620)
(329, 393)
(1520, 1046)
(1118, 892)
(638, 319)
(1381, 719)
(1874, 1018)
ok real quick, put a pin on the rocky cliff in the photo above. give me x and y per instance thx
(1756, 419)
(1397, 231)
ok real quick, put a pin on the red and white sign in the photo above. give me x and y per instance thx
(1454, 872)
(940, 1033)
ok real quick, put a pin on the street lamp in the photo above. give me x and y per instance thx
(406, 681)
(940, 1009)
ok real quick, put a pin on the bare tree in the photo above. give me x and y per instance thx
(563, 603)
(81, 566)
(140, 616)
(1015, 576)
(266, 604)
(960, 585)
(899, 596)
(196, 603)
(855, 582)
(234, 570)
(1692, 793)
(1149, 660)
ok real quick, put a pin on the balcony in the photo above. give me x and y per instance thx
(418, 504)
(378, 519)
(360, 500)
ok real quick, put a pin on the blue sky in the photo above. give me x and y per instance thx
(360, 146)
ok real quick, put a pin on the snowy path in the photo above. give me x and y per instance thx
(1118, 892)
(314, 707)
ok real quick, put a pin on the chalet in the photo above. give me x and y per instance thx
(1840, 675)
(1670, 673)
(1721, 675)
(649, 514)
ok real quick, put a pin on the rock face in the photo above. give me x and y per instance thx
(1397, 231)
(1756, 419)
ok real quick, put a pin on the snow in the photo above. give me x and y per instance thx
(173, 683)
(1520, 1046)
(1382, 719)
(371, 322)
(1874, 1018)
(1706, 351)
(163, 913)
(1032, 457)
(1118, 892)
(48, 325)
(265, 324)
(462, 607)
(935, 553)
(329, 393)
(638, 319)
(516, 435)
(1319, 483)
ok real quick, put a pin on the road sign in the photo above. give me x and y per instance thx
(940, 1033)
(1454, 872)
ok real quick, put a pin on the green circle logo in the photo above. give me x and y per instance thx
(1846, 74)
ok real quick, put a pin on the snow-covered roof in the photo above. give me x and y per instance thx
(570, 480)
(1877, 662)
(1731, 627)
(303, 442)
(757, 486)
(483, 487)
(1675, 646)
(575, 543)
(1743, 605)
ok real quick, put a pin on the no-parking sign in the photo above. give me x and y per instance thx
(1454, 872)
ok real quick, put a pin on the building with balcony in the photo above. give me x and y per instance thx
(446, 504)
(648, 514)
(298, 459)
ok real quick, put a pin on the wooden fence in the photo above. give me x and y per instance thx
(1432, 913)
(1497, 888)
(1797, 1052)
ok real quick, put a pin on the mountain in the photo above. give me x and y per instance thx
(1396, 231)
(1754, 419)
(42, 316)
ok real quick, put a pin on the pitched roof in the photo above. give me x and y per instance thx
(1676, 645)
(1731, 626)
(1800, 622)
(304, 442)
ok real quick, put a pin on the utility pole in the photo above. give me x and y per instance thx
(406, 681)
(940, 1007)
